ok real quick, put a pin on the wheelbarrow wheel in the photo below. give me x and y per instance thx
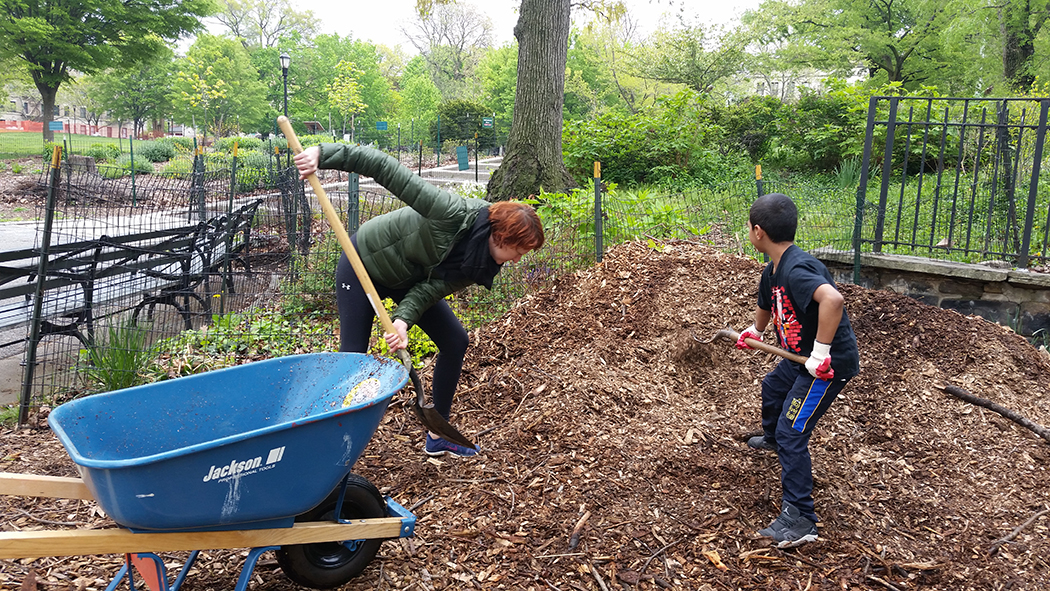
(332, 564)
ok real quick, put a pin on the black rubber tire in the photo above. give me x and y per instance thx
(326, 565)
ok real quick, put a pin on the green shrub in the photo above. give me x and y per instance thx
(49, 150)
(253, 171)
(671, 139)
(154, 151)
(141, 166)
(111, 171)
(16, 168)
(178, 168)
(180, 145)
(244, 144)
(102, 152)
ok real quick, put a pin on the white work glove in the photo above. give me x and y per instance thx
(749, 333)
(819, 363)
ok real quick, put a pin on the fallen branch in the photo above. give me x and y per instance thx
(883, 582)
(574, 539)
(964, 395)
(996, 544)
(661, 551)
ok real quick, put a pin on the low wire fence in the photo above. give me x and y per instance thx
(160, 276)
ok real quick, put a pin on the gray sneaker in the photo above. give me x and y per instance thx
(760, 442)
(790, 529)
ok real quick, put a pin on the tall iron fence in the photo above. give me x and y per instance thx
(954, 178)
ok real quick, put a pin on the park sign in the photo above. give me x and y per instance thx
(463, 157)
(487, 122)
(380, 125)
(54, 125)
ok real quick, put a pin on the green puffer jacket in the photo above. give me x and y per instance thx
(400, 249)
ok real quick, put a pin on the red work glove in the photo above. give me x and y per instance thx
(749, 333)
(819, 363)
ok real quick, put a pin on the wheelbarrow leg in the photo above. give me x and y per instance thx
(156, 578)
(249, 566)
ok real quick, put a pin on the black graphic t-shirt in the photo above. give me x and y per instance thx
(788, 296)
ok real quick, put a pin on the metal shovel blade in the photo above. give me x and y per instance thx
(426, 413)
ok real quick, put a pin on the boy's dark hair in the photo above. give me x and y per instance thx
(777, 215)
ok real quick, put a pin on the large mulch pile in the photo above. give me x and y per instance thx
(599, 412)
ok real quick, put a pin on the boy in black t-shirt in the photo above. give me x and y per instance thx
(797, 294)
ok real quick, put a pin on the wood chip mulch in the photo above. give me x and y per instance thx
(599, 413)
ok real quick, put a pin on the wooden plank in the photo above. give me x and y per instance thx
(35, 544)
(34, 485)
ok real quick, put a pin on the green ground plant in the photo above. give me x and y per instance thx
(237, 338)
(121, 360)
(8, 415)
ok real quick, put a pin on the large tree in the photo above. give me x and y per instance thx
(263, 23)
(534, 151)
(57, 38)
(138, 94)
(217, 86)
(451, 38)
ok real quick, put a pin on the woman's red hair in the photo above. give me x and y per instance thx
(515, 225)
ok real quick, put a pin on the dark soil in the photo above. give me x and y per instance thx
(594, 404)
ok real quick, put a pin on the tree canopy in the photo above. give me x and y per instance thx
(56, 38)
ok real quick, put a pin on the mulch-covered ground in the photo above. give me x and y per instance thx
(597, 411)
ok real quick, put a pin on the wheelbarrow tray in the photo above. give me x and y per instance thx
(246, 447)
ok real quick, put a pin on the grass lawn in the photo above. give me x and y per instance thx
(22, 144)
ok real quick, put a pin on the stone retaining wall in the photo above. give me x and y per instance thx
(993, 290)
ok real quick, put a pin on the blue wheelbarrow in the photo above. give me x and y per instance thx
(257, 456)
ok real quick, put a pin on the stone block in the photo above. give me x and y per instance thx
(1000, 312)
(1034, 317)
(963, 290)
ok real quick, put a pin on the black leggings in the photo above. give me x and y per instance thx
(439, 322)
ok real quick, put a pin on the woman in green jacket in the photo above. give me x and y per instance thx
(419, 254)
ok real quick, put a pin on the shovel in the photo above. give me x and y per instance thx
(426, 414)
(732, 336)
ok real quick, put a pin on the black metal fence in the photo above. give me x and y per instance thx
(173, 273)
(955, 179)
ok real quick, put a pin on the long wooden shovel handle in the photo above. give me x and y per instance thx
(735, 336)
(340, 232)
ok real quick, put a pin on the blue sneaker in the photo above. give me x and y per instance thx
(437, 446)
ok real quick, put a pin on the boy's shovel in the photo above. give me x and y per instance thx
(426, 414)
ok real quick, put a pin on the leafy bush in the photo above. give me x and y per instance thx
(111, 171)
(314, 139)
(141, 166)
(460, 120)
(244, 144)
(253, 171)
(103, 152)
(49, 150)
(178, 168)
(180, 145)
(155, 151)
(670, 138)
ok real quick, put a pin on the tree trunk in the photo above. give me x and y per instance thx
(47, 96)
(534, 156)
(1018, 45)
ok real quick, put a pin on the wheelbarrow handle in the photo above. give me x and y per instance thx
(340, 233)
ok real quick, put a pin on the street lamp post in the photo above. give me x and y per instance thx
(286, 60)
